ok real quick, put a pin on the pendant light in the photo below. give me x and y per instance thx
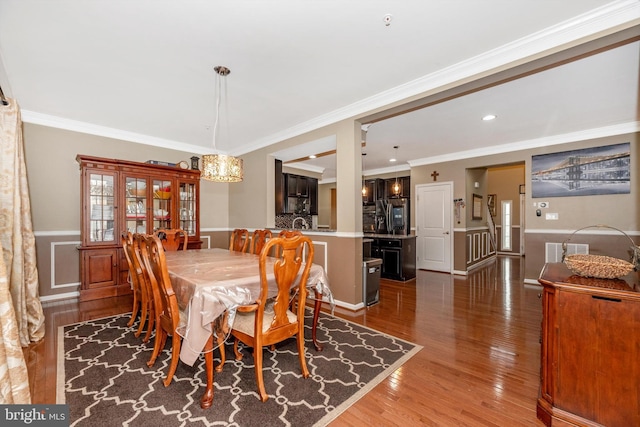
(396, 185)
(363, 130)
(220, 167)
(364, 185)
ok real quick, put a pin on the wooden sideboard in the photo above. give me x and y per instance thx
(590, 367)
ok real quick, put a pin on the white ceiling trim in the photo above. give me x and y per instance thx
(307, 168)
(583, 135)
(108, 132)
(391, 169)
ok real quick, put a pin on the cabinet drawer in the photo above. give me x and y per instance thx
(390, 243)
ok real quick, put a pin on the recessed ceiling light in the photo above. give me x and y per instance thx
(489, 117)
(313, 156)
(395, 154)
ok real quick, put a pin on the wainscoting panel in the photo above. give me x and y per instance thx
(478, 246)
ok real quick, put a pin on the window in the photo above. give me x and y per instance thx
(506, 225)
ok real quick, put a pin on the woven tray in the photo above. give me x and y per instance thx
(599, 266)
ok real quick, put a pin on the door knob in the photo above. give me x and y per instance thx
(446, 232)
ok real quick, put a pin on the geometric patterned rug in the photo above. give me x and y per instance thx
(104, 378)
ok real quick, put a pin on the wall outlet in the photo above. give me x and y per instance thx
(551, 216)
(543, 204)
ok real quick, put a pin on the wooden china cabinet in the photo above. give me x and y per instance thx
(120, 195)
(590, 367)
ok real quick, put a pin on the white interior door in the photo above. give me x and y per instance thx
(433, 222)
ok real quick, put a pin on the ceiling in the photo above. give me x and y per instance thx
(143, 71)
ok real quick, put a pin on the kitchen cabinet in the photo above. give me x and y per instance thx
(398, 256)
(120, 195)
(312, 184)
(375, 190)
(297, 186)
(590, 349)
(280, 186)
(404, 182)
(295, 194)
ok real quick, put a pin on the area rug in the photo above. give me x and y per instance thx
(103, 377)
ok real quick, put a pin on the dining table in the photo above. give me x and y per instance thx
(210, 284)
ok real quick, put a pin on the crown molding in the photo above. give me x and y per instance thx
(36, 118)
(566, 138)
(307, 168)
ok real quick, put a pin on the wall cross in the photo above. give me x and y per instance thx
(435, 175)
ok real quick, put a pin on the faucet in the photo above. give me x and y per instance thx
(304, 226)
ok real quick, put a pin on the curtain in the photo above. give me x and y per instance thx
(14, 379)
(21, 315)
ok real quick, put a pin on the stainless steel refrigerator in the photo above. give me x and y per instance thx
(392, 216)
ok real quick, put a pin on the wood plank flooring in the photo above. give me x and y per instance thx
(479, 366)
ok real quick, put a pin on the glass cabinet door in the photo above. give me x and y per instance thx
(101, 202)
(162, 214)
(188, 205)
(136, 204)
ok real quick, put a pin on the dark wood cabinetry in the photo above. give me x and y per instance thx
(375, 190)
(296, 194)
(297, 186)
(590, 349)
(398, 257)
(312, 184)
(398, 188)
(119, 195)
(380, 189)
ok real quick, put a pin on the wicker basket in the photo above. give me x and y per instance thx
(600, 266)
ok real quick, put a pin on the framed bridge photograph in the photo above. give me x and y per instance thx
(584, 172)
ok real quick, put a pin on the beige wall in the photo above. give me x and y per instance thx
(504, 182)
(324, 203)
(54, 176)
(54, 181)
(621, 211)
(54, 188)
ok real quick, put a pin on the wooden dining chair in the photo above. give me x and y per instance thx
(289, 233)
(173, 239)
(258, 240)
(239, 241)
(127, 246)
(168, 316)
(147, 302)
(269, 321)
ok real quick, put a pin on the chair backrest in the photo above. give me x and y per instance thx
(173, 239)
(239, 240)
(258, 240)
(289, 233)
(140, 267)
(127, 246)
(166, 302)
(291, 270)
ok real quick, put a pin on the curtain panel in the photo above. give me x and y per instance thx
(21, 315)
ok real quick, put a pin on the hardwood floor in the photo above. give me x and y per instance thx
(479, 365)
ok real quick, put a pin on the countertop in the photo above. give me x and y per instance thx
(389, 236)
(366, 235)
